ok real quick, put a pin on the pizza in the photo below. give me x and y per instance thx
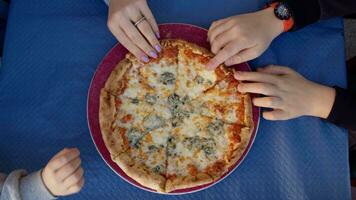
(171, 124)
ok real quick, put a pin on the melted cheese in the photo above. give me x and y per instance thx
(200, 139)
(189, 71)
(153, 73)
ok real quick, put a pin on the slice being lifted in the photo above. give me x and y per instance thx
(170, 124)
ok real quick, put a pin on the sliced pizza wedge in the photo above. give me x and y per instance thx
(223, 101)
(145, 159)
(160, 74)
(193, 78)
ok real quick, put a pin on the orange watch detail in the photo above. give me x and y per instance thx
(288, 23)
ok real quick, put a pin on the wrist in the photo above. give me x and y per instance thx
(274, 25)
(323, 101)
(45, 183)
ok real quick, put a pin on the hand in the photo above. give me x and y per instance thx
(63, 174)
(288, 93)
(140, 40)
(242, 38)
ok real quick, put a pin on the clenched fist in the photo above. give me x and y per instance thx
(63, 174)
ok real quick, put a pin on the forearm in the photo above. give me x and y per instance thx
(343, 112)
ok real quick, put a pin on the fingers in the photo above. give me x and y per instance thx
(67, 178)
(62, 159)
(125, 41)
(146, 30)
(76, 187)
(221, 40)
(268, 102)
(217, 28)
(243, 56)
(150, 18)
(134, 34)
(140, 40)
(256, 77)
(258, 88)
(275, 115)
(74, 178)
(277, 70)
(62, 152)
(68, 169)
(228, 51)
(215, 24)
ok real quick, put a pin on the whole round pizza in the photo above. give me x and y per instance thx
(171, 124)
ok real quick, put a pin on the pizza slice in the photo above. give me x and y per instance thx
(224, 102)
(192, 153)
(193, 78)
(160, 74)
(145, 159)
(136, 137)
(201, 150)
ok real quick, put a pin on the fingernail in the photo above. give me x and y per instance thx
(145, 59)
(210, 65)
(239, 87)
(153, 54)
(158, 35)
(237, 74)
(158, 48)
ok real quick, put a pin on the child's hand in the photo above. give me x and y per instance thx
(288, 93)
(242, 38)
(140, 40)
(63, 174)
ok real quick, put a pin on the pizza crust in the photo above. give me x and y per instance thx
(245, 135)
(248, 116)
(107, 112)
(195, 48)
(139, 173)
(182, 182)
(115, 81)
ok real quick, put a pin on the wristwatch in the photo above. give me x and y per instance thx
(282, 12)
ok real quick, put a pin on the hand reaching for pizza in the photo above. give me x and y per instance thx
(133, 24)
(288, 93)
(242, 38)
(63, 174)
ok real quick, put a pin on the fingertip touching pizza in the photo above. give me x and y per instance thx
(171, 124)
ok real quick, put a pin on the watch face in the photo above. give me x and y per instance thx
(282, 11)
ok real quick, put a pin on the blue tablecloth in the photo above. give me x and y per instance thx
(52, 49)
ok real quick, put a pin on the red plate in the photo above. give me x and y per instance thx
(187, 32)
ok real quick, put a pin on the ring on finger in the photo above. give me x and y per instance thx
(139, 21)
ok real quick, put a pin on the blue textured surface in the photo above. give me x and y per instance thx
(52, 49)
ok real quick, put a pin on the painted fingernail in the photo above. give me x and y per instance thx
(153, 54)
(158, 48)
(145, 59)
(158, 35)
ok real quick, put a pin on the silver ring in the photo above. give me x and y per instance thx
(139, 21)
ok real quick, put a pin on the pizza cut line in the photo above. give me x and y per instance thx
(171, 124)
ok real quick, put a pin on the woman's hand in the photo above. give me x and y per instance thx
(63, 174)
(288, 93)
(242, 38)
(140, 39)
